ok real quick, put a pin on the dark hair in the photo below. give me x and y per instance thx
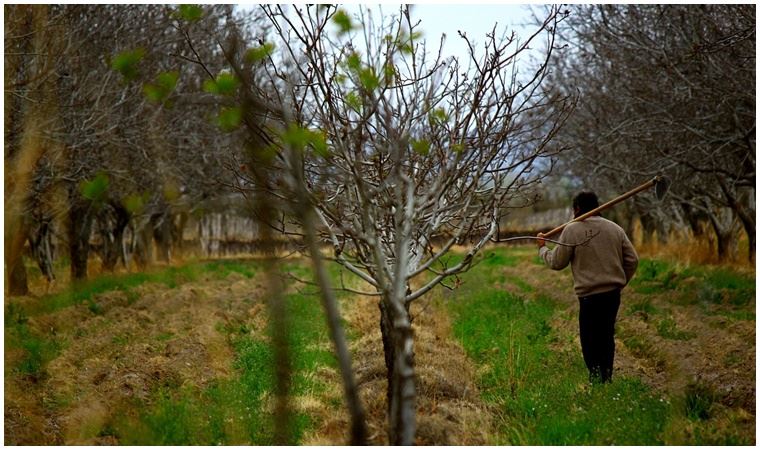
(584, 202)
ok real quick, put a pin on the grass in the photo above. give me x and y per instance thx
(541, 395)
(38, 348)
(171, 277)
(668, 329)
(716, 289)
(237, 411)
(643, 307)
(534, 377)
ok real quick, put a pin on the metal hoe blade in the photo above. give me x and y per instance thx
(661, 186)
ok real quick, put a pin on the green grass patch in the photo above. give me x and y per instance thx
(37, 350)
(535, 379)
(668, 329)
(520, 283)
(714, 288)
(500, 258)
(542, 394)
(698, 401)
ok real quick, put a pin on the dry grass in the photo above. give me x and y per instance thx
(690, 250)
(449, 409)
(165, 338)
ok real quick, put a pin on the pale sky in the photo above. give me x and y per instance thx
(475, 20)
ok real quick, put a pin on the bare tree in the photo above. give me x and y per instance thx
(32, 45)
(400, 151)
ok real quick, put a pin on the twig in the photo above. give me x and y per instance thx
(516, 238)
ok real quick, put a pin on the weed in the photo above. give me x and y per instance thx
(120, 340)
(643, 307)
(732, 358)
(237, 410)
(668, 329)
(94, 307)
(37, 351)
(171, 277)
(708, 294)
(164, 336)
(520, 283)
(698, 401)
(15, 315)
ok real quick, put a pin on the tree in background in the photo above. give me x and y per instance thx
(666, 89)
(95, 154)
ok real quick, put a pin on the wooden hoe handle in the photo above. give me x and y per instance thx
(609, 204)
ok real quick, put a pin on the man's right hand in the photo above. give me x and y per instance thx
(540, 242)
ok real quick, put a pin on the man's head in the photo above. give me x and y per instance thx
(584, 202)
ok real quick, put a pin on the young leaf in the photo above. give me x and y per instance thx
(226, 83)
(390, 73)
(168, 80)
(190, 13)
(318, 142)
(296, 137)
(210, 87)
(457, 148)
(162, 88)
(368, 79)
(126, 63)
(171, 190)
(353, 101)
(354, 62)
(229, 118)
(421, 147)
(96, 188)
(438, 116)
(134, 203)
(343, 21)
(257, 54)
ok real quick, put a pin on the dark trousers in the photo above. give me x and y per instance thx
(597, 326)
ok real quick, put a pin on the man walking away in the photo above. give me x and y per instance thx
(602, 265)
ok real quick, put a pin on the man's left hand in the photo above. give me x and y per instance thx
(540, 242)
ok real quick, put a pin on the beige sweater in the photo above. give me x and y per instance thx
(606, 260)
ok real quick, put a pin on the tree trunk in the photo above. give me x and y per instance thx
(178, 231)
(727, 246)
(398, 350)
(725, 235)
(337, 335)
(42, 248)
(143, 251)
(162, 235)
(112, 227)
(694, 219)
(17, 283)
(80, 226)
(740, 204)
(647, 228)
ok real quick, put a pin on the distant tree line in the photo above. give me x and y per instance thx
(665, 89)
(107, 132)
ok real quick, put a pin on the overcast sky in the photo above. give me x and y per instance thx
(475, 20)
